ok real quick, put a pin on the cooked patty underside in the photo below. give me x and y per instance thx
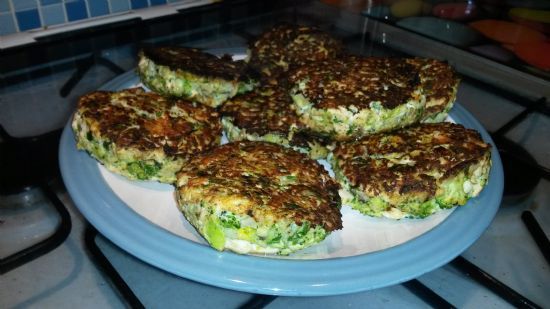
(266, 114)
(412, 172)
(357, 96)
(143, 135)
(279, 200)
(204, 88)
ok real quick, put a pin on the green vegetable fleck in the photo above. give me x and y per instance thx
(144, 169)
(214, 235)
(229, 220)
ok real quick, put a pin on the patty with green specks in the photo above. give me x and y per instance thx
(142, 135)
(266, 114)
(440, 84)
(350, 98)
(193, 74)
(258, 197)
(412, 172)
(287, 46)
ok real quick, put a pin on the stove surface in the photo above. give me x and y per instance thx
(69, 276)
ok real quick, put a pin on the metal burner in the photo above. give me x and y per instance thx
(27, 162)
(521, 174)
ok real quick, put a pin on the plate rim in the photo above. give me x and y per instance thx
(284, 277)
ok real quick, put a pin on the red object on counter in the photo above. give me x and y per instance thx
(536, 54)
(455, 11)
(507, 32)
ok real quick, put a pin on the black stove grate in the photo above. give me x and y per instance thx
(30, 164)
(37, 250)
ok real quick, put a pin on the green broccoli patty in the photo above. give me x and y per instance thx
(258, 197)
(357, 96)
(285, 46)
(440, 84)
(266, 114)
(192, 74)
(143, 135)
(412, 172)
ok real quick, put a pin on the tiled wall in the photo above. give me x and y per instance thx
(23, 15)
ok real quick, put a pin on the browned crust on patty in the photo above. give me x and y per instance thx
(198, 62)
(358, 81)
(439, 81)
(141, 120)
(269, 109)
(293, 45)
(251, 171)
(443, 148)
(264, 110)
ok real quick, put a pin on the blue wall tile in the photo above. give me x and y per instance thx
(53, 14)
(139, 4)
(22, 15)
(28, 19)
(47, 2)
(98, 7)
(4, 6)
(157, 2)
(7, 25)
(76, 10)
(119, 5)
(21, 5)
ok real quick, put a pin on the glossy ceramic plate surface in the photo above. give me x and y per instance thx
(142, 218)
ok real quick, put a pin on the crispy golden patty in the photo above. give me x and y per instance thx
(143, 135)
(287, 46)
(266, 114)
(413, 171)
(356, 96)
(258, 197)
(193, 74)
(440, 85)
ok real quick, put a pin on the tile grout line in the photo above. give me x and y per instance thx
(13, 17)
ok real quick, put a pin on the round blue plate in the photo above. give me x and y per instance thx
(159, 247)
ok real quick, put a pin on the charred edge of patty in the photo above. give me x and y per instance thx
(415, 171)
(200, 63)
(300, 140)
(271, 182)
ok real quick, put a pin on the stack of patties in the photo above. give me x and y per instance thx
(355, 96)
(266, 114)
(285, 47)
(143, 135)
(192, 74)
(258, 197)
(412, 172)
